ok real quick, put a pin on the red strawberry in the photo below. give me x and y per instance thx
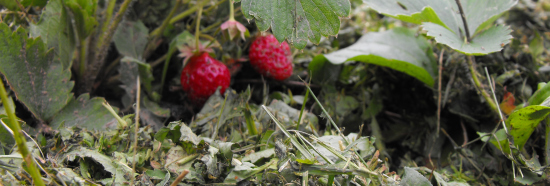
(202, 76)
(271, 58)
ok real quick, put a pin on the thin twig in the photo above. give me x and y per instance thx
(179, 178)
(136, 131)
(439, 92)
(496, 101)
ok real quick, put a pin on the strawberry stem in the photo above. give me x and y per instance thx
(231, 10)
(197, 28)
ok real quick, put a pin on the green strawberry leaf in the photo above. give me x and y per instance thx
(297, 20)
(398, 49)
(523, 122)
(131, 39)
(38, 80)
(10, 4)
(442, 20)
(39, 3)
(491, 40)
(119, 171)
(56, 31)
(84, 16)
(86, 113)
(499, 140)
(413, 177)
(540, 95)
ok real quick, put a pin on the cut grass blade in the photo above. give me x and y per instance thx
(326, 113)
(293, 139)
(313, 147)
(302, 110)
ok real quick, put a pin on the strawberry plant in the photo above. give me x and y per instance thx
(262, 92)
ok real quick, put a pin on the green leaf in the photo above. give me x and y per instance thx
(68, 176)
(39, 3)
(491, 40)
(84, 16)
(523, 122)
(297, 20)
(10, 4)
(131, 39)
(528, 177)
(346, 105)
(501, 142)
(130, 68)
(323, 71)
(86, 113)
(536, 46)
(39, 81)
(118, 170)
(442, 19)
(412, 177)
(155, 108)
(188, 136)
(254, 157)
(56, 31)
(398, 49)
(540, 95)
(440, 12)
(11, 162)
(245, 171)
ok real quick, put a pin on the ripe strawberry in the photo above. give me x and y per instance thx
(271, 58)
(202, 76)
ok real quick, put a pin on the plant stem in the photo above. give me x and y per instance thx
(231, 10)
(108, 14)
(136, 131)
(302, 111)
(158, 32)
(102, 48)
(466, 29)
(472, 63)
(179, 178)
(19, 138)
(186, 13)
(155, 35)
(82, 58)
(197, 27)
(439, 92)
(479, 85)
(112, 111)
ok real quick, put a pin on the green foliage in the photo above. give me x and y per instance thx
(38, 80)
(297, 21)
(412, 177)
(523, 122)
(118, 170)
(398, 49)
(442, 20)
(131, 39)
(55, 29)
(85, 112)
(540, 95)
(84, 15)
